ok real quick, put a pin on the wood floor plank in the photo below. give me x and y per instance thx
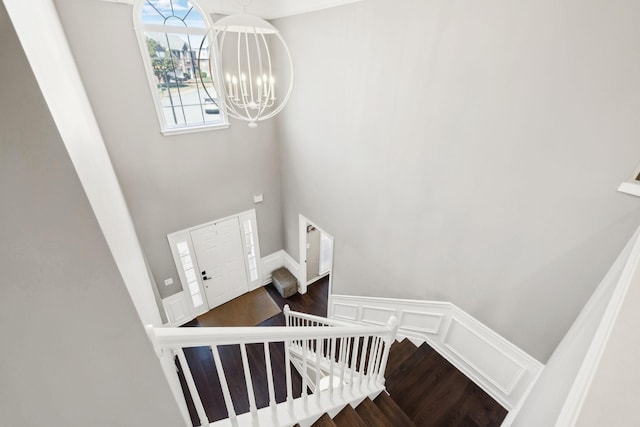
(348, 417)
(400, 351)
(392, 411)
(371, 415)
(324, 421)
(432, 392)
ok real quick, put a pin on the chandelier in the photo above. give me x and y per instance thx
(248, 51)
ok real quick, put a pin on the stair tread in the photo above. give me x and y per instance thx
(324, 421)
(348, 417)
(415, 377)
(371, 415)
(392, 411)
(400, 351)
(452, 397)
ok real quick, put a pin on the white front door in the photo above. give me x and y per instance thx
(220, 256)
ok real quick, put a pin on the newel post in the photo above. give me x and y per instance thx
(392, 326)
(170, 370)
(286, 310)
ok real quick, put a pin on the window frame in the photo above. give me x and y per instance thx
(140, 29)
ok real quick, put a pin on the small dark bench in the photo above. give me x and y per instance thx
(285, 282)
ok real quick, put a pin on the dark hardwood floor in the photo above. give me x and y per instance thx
(203, 369)
(430, 390)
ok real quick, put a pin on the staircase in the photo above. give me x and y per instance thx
(313, 367)
(424, 390)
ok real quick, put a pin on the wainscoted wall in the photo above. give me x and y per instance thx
(277, 260)
(178, 309)
(502, 369)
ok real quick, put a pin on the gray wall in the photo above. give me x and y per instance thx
(467, 151)
(73, 350)
(174, 182)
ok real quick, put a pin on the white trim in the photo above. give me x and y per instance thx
(302, 253)
(178, 309)
(264, 9)
(498, 366)
(294, 268)
(630, 187)
(194, 129)
(174, 239)
(575, 400)
(251, 216)
(270, 263)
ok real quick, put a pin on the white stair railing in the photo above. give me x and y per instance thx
(348, 361)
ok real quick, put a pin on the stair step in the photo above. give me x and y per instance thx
(371, 415)
(324, 421)
(416, 376)
(348, 417)
(400, 351)
(392, 411)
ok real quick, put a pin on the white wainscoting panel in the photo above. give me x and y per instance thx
(498, 366)
(178, 309)
(293, 267)
(270, 263)
(277, 260)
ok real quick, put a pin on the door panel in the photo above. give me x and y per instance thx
(220, 257)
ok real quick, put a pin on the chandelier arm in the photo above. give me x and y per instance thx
(246, 42)
(226, 96)
(291, 78)
(264, 105)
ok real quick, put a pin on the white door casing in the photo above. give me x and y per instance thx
(189, 271)
(220, 257)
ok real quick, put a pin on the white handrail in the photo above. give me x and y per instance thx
(199, 337)
(318, 320)
(353, 370)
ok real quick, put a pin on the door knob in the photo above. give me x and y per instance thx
(206, 278)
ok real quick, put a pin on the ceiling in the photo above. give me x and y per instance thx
(267, 9)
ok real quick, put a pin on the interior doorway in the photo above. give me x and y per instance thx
(316, 253)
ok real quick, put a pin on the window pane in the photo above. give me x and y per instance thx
(194, 288)
(187, 263)
(190, 275)
(171, 12)
(183, 249)
(197, 300)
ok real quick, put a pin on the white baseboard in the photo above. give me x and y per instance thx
(498, 366)
(276, 260)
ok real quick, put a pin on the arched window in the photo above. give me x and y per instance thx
(175, 49)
